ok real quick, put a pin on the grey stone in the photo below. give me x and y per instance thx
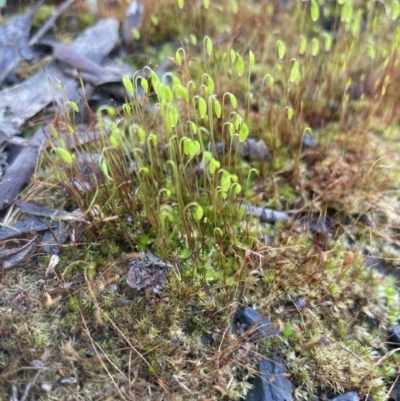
(271, 383)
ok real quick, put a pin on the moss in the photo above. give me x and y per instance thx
(86, 322)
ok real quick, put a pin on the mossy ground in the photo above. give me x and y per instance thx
(84, 322)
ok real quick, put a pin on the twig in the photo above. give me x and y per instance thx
(46, 26)
(29, 385)
(14, 393)
(175, 378)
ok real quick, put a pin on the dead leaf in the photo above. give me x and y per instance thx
(147, 272)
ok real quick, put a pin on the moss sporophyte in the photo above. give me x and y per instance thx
(249, 163)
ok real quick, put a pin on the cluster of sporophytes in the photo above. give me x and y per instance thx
(166, 175)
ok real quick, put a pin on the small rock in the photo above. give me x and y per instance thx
(394, 336)
(248, 317)
(90, 351)
(351, 396)
(207, 341)
(267, 239)
(321, 225)
(217, 149)
(300, 303)
(46, 386)
(254, 150)
(395, 392)
(271, 383)
(365, 220)
(37, 364)
(309, 141)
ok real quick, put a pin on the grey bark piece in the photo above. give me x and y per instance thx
(73, 58)
(17, 175)
(90, 71)
(23, 101)
(18, 257)
(9, 253)
(270, 383)
(57, 214)
(20, 171)
(24, 227)
(49, 243)
(14, 41)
